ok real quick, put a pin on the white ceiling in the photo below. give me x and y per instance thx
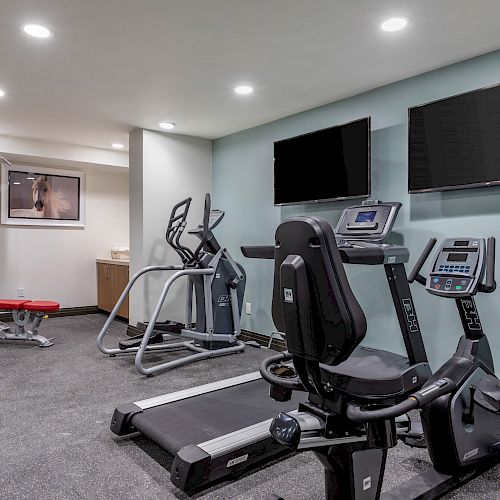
(117, 64)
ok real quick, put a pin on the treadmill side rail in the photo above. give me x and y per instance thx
(191, 468)
(120, 423)
(197, 390)
(194, 469)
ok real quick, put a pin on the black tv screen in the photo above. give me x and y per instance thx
(329, 164)
(455, 142)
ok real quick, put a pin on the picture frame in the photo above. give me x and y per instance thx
(42, 196)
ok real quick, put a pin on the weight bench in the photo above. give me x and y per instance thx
(27, 316)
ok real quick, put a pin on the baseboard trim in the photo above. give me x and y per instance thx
(245, 336)
(132, 331)
(65, 311)
(263, 340)
(117, 318)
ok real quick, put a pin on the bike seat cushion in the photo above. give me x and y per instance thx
(376, 374)
(12, 305)
(42, 306)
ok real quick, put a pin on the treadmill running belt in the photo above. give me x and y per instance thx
(201, 418)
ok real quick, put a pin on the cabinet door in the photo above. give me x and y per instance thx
(104, 287)
(119, 280)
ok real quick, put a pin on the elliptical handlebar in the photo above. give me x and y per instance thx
(205, 230)
(175, 228)
(415, 272)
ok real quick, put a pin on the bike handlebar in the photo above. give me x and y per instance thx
(490, 283)
(421, 260)
(294, 384)
(418, 399)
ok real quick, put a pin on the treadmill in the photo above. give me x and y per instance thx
(221, 429)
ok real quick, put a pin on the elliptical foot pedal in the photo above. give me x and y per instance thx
(156, 338)
(164, 326)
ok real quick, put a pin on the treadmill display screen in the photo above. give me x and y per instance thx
(367, 216)
(457, 257)
(461, 243)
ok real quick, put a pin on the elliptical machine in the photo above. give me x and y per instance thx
(215, 282)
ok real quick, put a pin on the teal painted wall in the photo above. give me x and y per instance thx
(243, 187)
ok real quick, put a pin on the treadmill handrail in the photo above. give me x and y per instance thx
(373, 254)
(258, 251)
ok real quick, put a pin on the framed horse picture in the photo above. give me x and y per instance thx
(42, 196)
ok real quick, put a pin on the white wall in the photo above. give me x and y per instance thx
(136, 192)
(59, 264)
(55, 154)
(164, 169)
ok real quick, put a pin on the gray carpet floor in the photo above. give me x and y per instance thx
(55, 443)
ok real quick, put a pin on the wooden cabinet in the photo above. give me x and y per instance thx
(112, 278)
(119, 276)
(103, 287)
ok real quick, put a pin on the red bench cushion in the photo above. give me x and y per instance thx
(42, 306)
(11, 305)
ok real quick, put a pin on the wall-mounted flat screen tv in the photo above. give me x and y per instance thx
(454, 143)
(329, 164)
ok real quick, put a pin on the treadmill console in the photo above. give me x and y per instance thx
(458, 268)
(371, 221)
(360, 235)
(213, 221)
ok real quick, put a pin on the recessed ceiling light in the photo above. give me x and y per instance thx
(2, 93)
(36, 30)
(30, 178)
(167, 125)
(243, 89)
(117, 145)
(17, 183)
(394, 24)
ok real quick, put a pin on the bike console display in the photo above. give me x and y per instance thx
(370, 221)
(458, 268)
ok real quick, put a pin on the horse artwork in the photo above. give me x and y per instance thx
(42, 196)
(47, 202)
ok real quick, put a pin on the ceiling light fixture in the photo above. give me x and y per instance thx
(2, 93)
(36, 30)
(117, 145)
(166, 125)
(243, 89)
(394, 24)
(17, 183)
(30, 178)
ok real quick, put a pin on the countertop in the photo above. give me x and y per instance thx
(113, 261)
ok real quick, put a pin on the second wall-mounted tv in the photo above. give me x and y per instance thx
(455, 142)
(329, 164)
